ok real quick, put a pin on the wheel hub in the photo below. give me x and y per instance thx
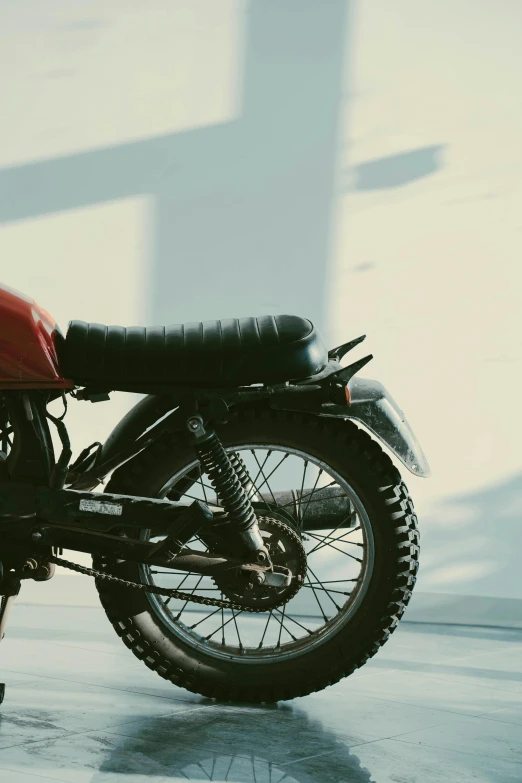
(285, 549)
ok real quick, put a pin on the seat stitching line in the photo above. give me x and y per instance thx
(104, 354)
(222, 353)
(124, 373)
(201, 359)
(162, 364)
(182, 362)
(277, 329)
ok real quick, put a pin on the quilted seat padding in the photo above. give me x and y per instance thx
(232, 352)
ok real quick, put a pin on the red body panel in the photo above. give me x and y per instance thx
(28, 337)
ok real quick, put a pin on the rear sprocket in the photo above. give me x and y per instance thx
(285, 549)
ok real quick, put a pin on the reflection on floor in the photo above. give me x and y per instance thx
(438, 704)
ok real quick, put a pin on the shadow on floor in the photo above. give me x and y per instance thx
(245, 745)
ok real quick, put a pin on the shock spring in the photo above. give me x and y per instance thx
(230, 486)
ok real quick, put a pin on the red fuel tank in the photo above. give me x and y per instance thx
(28, 340)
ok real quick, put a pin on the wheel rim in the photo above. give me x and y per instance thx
(340, 568)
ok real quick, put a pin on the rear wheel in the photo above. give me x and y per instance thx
(356, 581)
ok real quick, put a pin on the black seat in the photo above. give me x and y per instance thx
(233, 352)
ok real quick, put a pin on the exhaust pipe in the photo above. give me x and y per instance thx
(322, 509)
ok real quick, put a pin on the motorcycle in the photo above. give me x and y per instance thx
(254, 541)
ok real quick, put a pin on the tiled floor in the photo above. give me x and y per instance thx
(439, 704)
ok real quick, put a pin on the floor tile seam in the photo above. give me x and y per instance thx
(434, 675)
(210, 748)
(30, 774)
(121, 654)
(456, 752)
(76, 647)
(168, 714)
(64, 733)
(452, 660)
(22, 682)
(466, 656)
(472, 685)
(489, 755)
(514, 628)
(485, 716)
(105, 687)
(77, 733)
(409, 704)
(305, 758)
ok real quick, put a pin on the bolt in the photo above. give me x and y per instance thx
(258, 579)
(194, 424)
(37, 536)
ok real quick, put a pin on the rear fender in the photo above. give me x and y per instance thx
(373, 407)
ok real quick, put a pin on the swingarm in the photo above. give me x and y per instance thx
(35, 519)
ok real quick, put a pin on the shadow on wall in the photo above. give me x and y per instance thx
(473, 545)
(247, 744)
(243, 210)
(396, 170)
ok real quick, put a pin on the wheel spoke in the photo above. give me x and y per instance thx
(186, 602)
(295, 621)
(271, 474)
(251, 494)
(340, 592)
(237, 630)
(264, 632)
(310, 496)
(207, 617)
(325, 618)
(324, 588)
(281, 626)
(358, 559)
(255, 490)
(229, 768)
(341, 540)
(175, 573)
(203, 770)
(350, 516)
(337, 538)
(265, 479)
(203, 488)
(326, 486)
(299, 515)
(221, 626)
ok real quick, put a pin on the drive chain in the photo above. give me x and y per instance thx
(197, 599)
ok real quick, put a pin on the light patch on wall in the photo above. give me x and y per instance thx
(69, 86)
(459, 573)
(86, 264)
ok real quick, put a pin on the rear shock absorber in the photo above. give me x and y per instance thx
(230, 480)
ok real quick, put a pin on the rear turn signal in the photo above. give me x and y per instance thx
(348, 396)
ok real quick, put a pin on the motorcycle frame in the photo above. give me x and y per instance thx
(32, 480)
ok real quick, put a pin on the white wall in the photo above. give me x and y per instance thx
(355, 162)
